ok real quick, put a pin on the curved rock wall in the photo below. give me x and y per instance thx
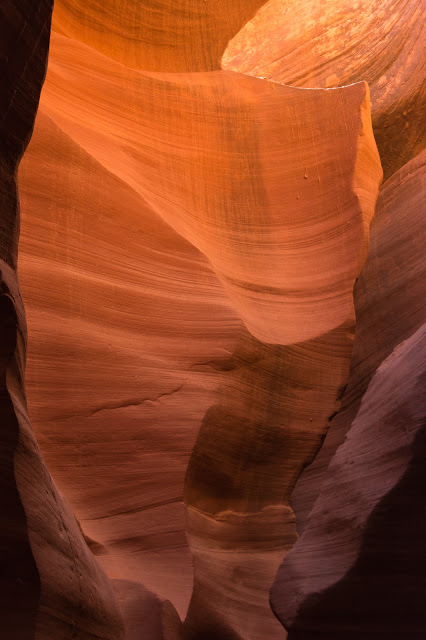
(156, 35)
(370, 516)
(51, 586)
(333, 43)
(201, 156)
(390, 306)
(191, 236)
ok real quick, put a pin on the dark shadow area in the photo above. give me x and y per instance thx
(383, 596)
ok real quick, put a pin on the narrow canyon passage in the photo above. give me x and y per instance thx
(212, 298)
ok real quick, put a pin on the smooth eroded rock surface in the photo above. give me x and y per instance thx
(306, 43)
(156, 35)
(174, 209)
(390, 304)
(51, 585)
(192, 231)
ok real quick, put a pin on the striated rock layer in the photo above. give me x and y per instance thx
(174, 209)
(156, 35)
(369, 517)
(250, 450)
(306, 43)
(191, 238)
(51, 586)
(253, 193)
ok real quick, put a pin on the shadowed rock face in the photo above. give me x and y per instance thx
(390, 306)
(250, 449)
(377, 558)
(371, 514)
(147, 617)
(336, 42)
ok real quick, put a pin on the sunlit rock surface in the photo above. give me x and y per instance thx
(307, 43)
(156, 35)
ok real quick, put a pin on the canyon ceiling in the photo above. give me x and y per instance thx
(213, 340)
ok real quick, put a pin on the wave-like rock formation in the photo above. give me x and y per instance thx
(205, 153)
(370, 516)
(51, 585)
(156, 35)
(253, 192)
(191, 237)
(331, 43)
(268, 421)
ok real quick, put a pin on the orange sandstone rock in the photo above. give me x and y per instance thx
(274, 188)
(333, 43)
(51, 585)
(156, 35)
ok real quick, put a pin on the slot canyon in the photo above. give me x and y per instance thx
(213, 320)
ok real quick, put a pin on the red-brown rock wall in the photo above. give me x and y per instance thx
(51, 586)
(192, 230)
(361, 553)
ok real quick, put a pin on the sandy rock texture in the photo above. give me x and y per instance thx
(306, 43)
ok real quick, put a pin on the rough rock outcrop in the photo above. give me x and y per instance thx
(51, 586)
(361, 553)
(306, 43)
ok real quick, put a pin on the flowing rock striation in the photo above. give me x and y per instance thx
(156, 35)
(191, 150)
(306, 43)
(191, 238)
(251, 448)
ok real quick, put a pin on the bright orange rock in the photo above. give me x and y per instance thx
(232, 164)
(156, 35)
(306, 43)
